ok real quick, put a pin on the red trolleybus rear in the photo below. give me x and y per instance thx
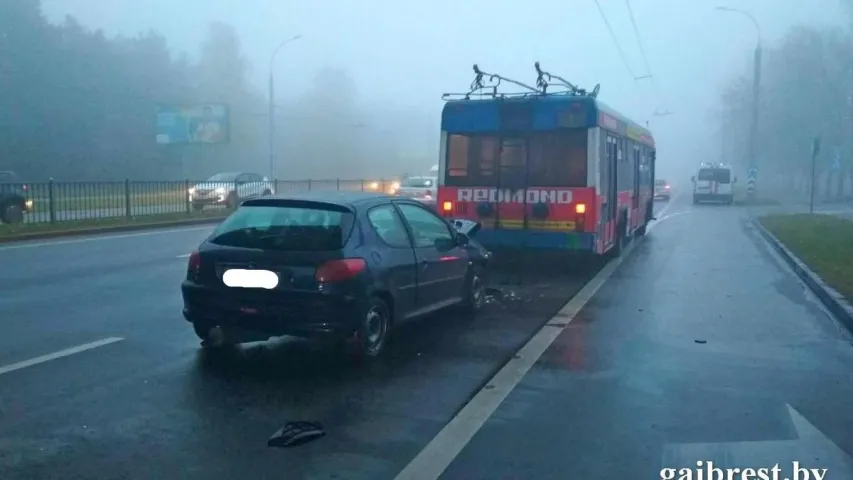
(550, 171)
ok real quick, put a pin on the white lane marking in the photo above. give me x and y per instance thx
(103, 237)
(431, 462)
(658, 222)
(59, 354)
(668, 205)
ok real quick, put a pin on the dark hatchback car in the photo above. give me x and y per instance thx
(343, 266)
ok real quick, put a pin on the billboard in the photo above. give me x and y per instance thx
(206, 123)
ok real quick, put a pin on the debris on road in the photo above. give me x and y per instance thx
(296, 433)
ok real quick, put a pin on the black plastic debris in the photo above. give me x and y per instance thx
(296, 433)
(700, 341)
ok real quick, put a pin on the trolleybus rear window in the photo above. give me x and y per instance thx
(553, 159)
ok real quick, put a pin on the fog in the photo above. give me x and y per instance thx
(375, 111)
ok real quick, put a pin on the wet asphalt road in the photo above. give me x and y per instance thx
(701, 336)
(624, 385)
(152, 406)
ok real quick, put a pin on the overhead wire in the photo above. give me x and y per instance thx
(615, 40)
(639, 39)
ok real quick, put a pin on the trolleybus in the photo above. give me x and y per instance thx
(544, 170)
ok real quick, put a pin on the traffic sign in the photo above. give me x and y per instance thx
(836, 160)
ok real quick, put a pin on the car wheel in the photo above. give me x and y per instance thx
(266, 192)
(212, 337)
(474, 296)
(198, 207)
(372, 333)
(12, 213)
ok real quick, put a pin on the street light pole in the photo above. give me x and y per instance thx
(271, 95)
(756, 91)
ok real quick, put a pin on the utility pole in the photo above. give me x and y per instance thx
(271, 109)
(756, 90)
(815, 151)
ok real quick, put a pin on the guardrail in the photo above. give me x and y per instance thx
(56, 202)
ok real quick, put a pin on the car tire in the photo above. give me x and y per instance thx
(203, 332)
(374, 329)
(474, 296)
(11, 212)
(266, 192)
(198, 207)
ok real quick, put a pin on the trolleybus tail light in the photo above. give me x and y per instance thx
(580, 211)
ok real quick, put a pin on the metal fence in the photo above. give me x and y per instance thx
(55, 202)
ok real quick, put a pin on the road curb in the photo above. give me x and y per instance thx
(107, 229)
(834, 301)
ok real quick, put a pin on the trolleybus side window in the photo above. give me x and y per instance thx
(558, 158)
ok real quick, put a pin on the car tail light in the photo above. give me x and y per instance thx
(666, 187)
(338, 270)
(580, 208)
(447, 207)
(194, 265)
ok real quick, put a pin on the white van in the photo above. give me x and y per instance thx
(713, 183)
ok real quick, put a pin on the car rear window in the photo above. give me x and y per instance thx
(660, 183)
(280, 225)
(719, 175)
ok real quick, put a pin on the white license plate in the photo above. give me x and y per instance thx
(239, 278)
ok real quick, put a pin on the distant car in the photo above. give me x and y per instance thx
(229, 189)
(422, 189)
(662, 190)
(14, 198)
(341, 266)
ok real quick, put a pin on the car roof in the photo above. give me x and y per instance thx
(333, 197)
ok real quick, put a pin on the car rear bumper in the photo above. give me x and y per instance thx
(309, 315)
(662, 194)
(712, 197)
